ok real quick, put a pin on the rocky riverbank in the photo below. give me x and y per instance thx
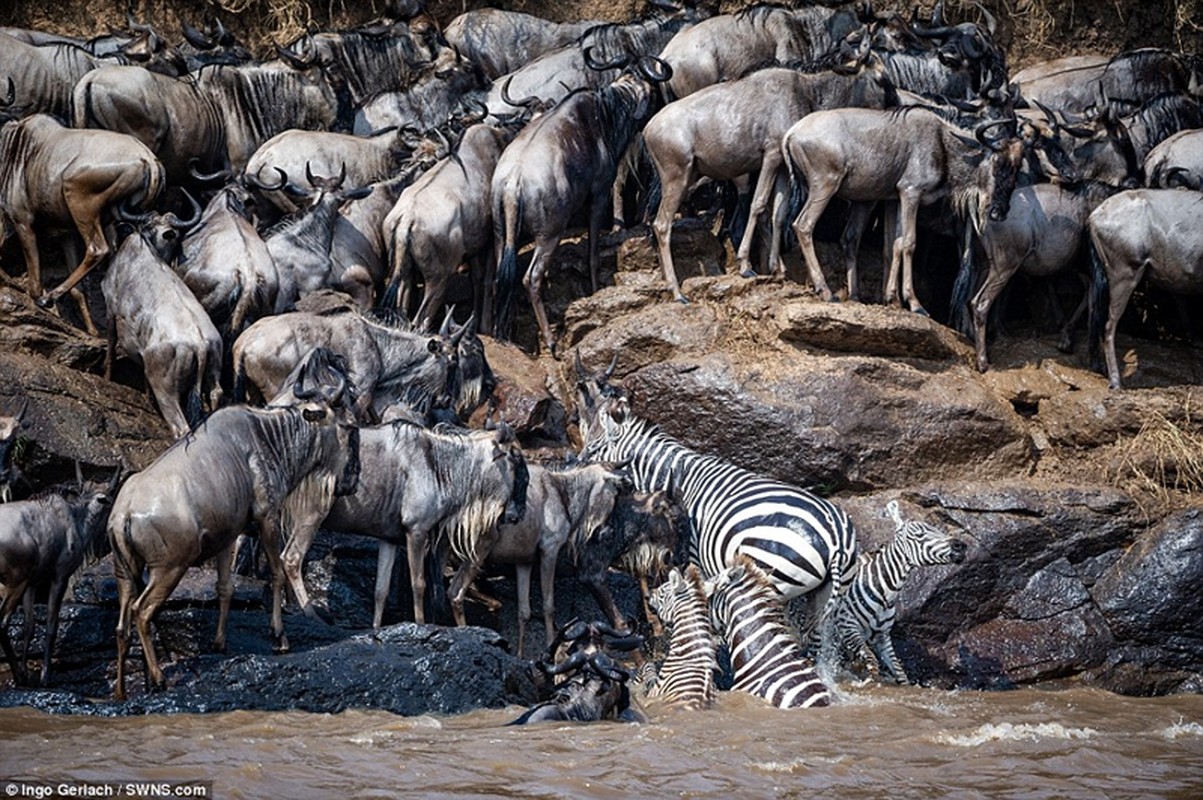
(1085, 535)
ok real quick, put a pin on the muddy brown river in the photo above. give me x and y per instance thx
(874, 742)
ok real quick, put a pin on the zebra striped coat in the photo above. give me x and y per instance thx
(865, 613)
(686, 677)
(766, 655)
(805, 544)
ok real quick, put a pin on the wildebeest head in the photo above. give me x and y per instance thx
(9, 428)
(505, 446)
(323, 392)
(591, 390)
(1003, 154)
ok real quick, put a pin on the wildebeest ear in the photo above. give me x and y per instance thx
(433, 345)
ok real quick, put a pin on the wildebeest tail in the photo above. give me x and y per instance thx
(1099, 298)
(239, 378)
(398, 257)
(193, 412)
(959, 317)
(507, 221)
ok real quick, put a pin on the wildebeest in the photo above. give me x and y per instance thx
(300, 245)
(45, 75)
(499, 42)
(242, 466)
(10, 426)
(1042, 235)
(1180, 156)
(59, 177)
(427, 105)
(564, 507)
(161, 325)
(728, 46)
(226, 263)
(418, 485)
(214, 120)
(590, 685)
(561, 162)
(1068, 84)
(43, 541)
(1134, 234)
(277, 167)
(386, 362)
(591, 62)
(734, 129)
(442, 219)
(920, 158)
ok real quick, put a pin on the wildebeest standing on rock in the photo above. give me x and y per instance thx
(42, 542)
(160, 324)
(919, 159)
(441, 219)
(418, 484)
(499, 42)
(562, 162)
(58, 177)
(242, 466)
(1153, 232)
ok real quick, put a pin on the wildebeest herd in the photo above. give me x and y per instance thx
(279, 237)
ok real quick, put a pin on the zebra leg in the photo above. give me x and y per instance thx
(883, 648)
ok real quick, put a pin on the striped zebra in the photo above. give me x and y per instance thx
(805, 544)
(766, 655)
(686, 677)
(865, 613)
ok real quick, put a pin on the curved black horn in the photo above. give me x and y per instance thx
(215, 177)
(256, 182)
(196, 38)
(299, 390)
(1048, 115)
(979, 131)
(526, 102)
(184, 224)
(656, 70)
(573, 662)
(621, 61)
(124, 213)
(220, 34)
(309, 174)
(991, 23)
(458, 336)
(610, 369)
(937, 15)
(342, 174)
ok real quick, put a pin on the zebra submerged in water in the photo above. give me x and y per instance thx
(865, 613)
(685, 679)
(805, 544)
(767, 659)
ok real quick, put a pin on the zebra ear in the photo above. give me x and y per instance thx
(894, 512)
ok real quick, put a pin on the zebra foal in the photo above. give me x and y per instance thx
(866, 612)
(805, 544)
(766, 656)
(686, 676)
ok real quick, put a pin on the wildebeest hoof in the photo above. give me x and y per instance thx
(748, 273)
(44, 300)
(682, 299)
(1065, 344)
(921, 311)
(281, 645)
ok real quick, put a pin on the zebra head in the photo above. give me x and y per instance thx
(602, 429)
(676, 593)
(923, 544)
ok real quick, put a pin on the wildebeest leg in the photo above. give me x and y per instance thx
(596, 581)
(53, 603)
(467, 573)
(110, 350)
(1065, 343)
(27, 625)
(804, 228)
(416, 545)
(854, 229)
(780, 210)
(547, 585)
(597, 217)
(125, 603)
(1122, 281)
(15, 593)
(86, 209)
(386, 558)
(770, 166)
(999, 272)
(269, 536)
(225, 592)
(167, 372)
(545, 249)
(904, 246)
(163, 581)
(621, 176)
(889, 238)
(522, 574)
(484, 286)
(673, 187)
(33, 263)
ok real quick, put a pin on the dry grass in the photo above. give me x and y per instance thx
(1164, 460)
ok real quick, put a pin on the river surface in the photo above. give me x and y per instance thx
(874, 742)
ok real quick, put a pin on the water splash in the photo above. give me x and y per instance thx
(1181, 728)
(1006, 731)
